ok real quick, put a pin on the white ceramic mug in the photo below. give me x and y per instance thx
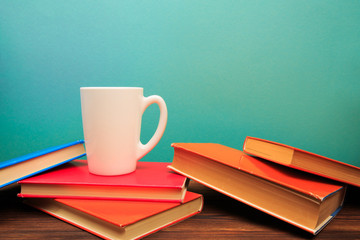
(112, 123)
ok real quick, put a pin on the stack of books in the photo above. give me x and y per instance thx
(302, 188)
(296, 186)
(129, 206)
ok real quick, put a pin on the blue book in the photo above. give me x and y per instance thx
(28, 165)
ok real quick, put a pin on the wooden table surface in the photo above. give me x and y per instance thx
(221, 218)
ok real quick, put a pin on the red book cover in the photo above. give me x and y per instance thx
(151, 181)
(303, 160)
(318, 188)
(119, 219)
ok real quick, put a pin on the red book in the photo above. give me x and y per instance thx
(304, 200)
(151, 181)
(302, 160)
(112, 219)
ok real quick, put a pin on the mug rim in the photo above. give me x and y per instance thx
(111, 88)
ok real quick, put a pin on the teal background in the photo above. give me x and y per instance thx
(286, 71)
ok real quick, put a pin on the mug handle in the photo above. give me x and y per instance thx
(147, 101)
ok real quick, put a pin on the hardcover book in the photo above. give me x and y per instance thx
(116, 219)
(151, 181)
(304, 200)
(302, 160)
(25, 166)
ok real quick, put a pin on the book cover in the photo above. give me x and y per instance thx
(118, 219)
(28, 165)
(288, 194)
(151, 181)
(302, 160)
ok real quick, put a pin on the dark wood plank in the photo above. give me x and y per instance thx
(221, 218)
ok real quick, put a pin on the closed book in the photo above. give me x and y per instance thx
(151, 181)
(28, 165)
(116, 219)
(304, 200)
(303, 160)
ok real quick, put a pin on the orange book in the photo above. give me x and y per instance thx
(302, 160)
(111, 219)
(304, 200)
